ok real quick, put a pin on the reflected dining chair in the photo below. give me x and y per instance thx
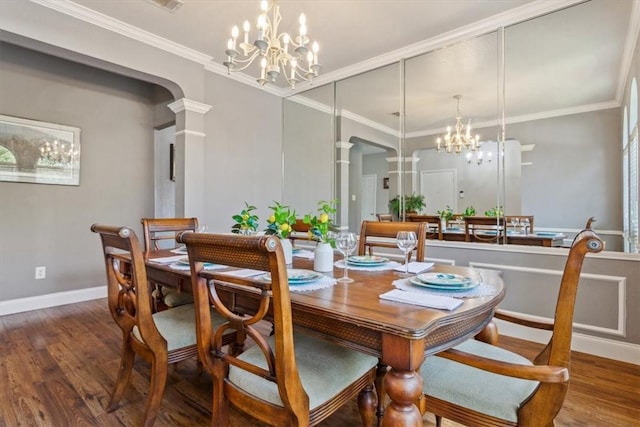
(160, 233)
(300, 232)
(288, 378)
(478, 384)
(384, 217)
(378, 234)
(484, 229)
(160, 338)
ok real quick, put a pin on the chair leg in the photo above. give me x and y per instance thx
(156, 390)
(220, 407)
(379, 382)
(124, 374)
(367, 405)
(438, 421)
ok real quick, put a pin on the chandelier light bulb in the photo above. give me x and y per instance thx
(264, 5)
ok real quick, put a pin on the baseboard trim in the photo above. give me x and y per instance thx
(51, 300)
(603, 347)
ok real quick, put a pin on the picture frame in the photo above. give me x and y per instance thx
(38, 152)
(385, 183)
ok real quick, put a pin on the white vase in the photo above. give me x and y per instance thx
(288, 250)
(323, 258)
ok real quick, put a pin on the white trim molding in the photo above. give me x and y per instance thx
(191, 133)
(183, 104)
(51, 300)
(344, 145)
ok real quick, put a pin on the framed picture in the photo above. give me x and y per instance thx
(39, 152)
(385, 183)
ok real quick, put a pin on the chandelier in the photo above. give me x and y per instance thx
(479, 157)
(278, 53)
(57, 154)
(461, 139)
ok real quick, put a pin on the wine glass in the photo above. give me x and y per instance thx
(524, 222)
(406, 241)
(346, 243)
(515, 221)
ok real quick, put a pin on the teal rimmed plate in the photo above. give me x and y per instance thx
(367, 260)
(444, 279)
(450, 287)
(297, 276)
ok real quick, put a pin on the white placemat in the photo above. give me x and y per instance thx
(483, 290)
(324, 282)
(167, 259)
(387, 266)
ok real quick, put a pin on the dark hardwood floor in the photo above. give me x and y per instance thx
(57, 367)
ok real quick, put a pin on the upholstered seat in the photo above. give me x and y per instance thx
(325, 370)
(482, 391)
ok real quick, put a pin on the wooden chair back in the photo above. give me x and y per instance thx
(157, 230)
(550, 367)
(278, 363)
(130, 304)
(371, 233)
(434, 224)
(384, 217)
(484, 229)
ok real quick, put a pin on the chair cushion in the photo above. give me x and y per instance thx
(325, 370)
(485, 392)
(172, 298)
(178, 325)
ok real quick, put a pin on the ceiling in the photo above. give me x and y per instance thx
(565, 61)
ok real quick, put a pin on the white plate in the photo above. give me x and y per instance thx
(364, 260)
(297, 276)
(443, 279)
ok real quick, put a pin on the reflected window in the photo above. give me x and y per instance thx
(630, 171)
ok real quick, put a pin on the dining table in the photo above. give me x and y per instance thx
(354, 315)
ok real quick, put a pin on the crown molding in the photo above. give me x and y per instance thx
(370, 123)
(308, 102)
(108, 23)
(220, 69)
(183, 104)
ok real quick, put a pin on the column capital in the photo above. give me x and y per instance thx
(189, 105)
(344, 145)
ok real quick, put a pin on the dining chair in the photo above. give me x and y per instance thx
(484, 229)
(288, 378)
(159, 338)
(384, 217)
(378, 234)
(434, 224)
(478, 384)
(160, 233)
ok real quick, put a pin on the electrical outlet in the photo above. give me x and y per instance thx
(41, 272)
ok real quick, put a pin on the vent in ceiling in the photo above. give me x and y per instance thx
(170, 5)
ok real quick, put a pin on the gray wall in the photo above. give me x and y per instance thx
(48, 225)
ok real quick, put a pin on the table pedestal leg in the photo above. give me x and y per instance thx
(404, 389)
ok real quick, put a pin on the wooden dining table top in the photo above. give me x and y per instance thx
(353, 315)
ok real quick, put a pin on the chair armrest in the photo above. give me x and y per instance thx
(542, 373)
(547, 326)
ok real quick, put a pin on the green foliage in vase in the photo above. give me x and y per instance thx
(321, 224)
(469, 211)
(246, 220)
(280, 221)
(412, 203)
(497, 211)
(446, 213)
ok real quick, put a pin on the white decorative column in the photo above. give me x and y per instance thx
(403, 175)
(189, 156)
(342, 182)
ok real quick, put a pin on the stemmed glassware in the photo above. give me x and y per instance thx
(515, 222)
(524, 222)
(346, 243)
(406, 241)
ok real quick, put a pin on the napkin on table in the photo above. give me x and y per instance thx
(416, 267)
(421, 299)
(303, 253)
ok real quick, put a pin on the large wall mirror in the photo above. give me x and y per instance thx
(544, 96)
